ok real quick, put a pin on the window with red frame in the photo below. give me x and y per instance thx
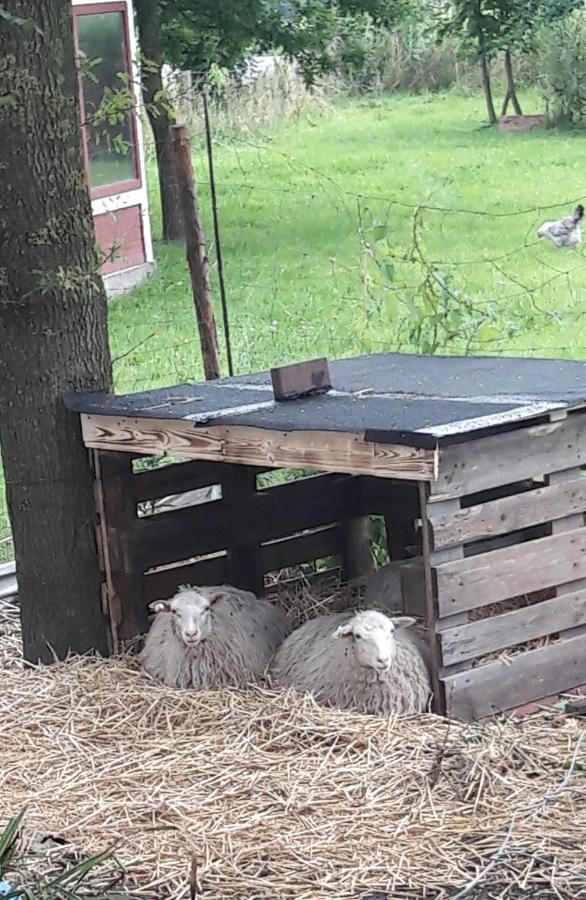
(109, 141)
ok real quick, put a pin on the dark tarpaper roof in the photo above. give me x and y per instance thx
(393, 398)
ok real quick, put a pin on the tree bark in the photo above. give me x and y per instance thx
(149, 34)
(511, 90)
(486, 87)
(53, 333)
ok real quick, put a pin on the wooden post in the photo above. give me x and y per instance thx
(196, 254)
(356, 548)
(245, 565)
(116, 507)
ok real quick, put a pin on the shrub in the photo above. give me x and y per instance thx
(562, 55)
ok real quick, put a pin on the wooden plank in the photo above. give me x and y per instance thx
(300, 379)
(245, 565)
(302, 548)
(357, 548)
(273, 513)
(572, 521)
(177, 478)
(275, 555)
(164, 584)
(489, 635)
(116, 508)
(530, 676)
(521, 569)
(325, 451)
(508, 514)
(576, 707)
(512, 456)
(439, 699)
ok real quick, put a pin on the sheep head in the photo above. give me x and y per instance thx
(191, 613)
(373, 637)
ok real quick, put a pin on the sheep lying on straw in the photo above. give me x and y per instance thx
(364, 661)
(212, 637)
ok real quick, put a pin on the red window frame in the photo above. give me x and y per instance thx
(119, 187)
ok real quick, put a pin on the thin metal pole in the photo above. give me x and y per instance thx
(217, 240)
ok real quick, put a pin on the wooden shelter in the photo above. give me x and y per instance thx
(476, 461)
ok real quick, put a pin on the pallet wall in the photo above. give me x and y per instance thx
(506, 546)
(239, 538)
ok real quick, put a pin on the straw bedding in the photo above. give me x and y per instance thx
(279, 798)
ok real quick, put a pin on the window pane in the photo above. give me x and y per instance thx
(101, 42)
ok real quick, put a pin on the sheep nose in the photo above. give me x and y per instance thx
(191, 635)
(383, 661)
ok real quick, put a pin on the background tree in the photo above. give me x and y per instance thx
(519, 25)
(487, 27)
(475, 23)
(53, 330)
(196, 35)
(159, 114)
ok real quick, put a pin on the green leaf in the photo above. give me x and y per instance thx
(83, 868)
(7, 100)
(488, 332)
(388, 269)
(27, 24)
(8, 839)
(379, 232)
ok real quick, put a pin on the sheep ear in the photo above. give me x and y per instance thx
(343, 631)
(215, 597)
(160, 606)
(403, 621)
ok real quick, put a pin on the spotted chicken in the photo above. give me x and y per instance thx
(566, 232)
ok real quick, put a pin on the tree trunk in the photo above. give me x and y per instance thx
(511, 90)
(484, 67)
(149, 34)
(53, 334)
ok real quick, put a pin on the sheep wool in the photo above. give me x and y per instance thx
(210, 637)
(356, 660)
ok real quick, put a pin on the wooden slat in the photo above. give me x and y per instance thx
(507, 514)
(488, 635)
(521, 569)
(161, 585)
(357, 548)
(326, 451)
(439, 700)
(245, 567)
(512, 456)
(116, 506)
(177, 478)
(273, 513)
(301, 548)
(277, 555)
(530, 676)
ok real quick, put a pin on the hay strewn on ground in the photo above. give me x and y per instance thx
(277, 797)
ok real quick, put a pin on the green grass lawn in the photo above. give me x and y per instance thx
(301, 206)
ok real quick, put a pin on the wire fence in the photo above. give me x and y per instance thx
(336, 246)
(364, 228)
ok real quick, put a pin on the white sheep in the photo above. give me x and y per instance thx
(206, 637)
(356, 660)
